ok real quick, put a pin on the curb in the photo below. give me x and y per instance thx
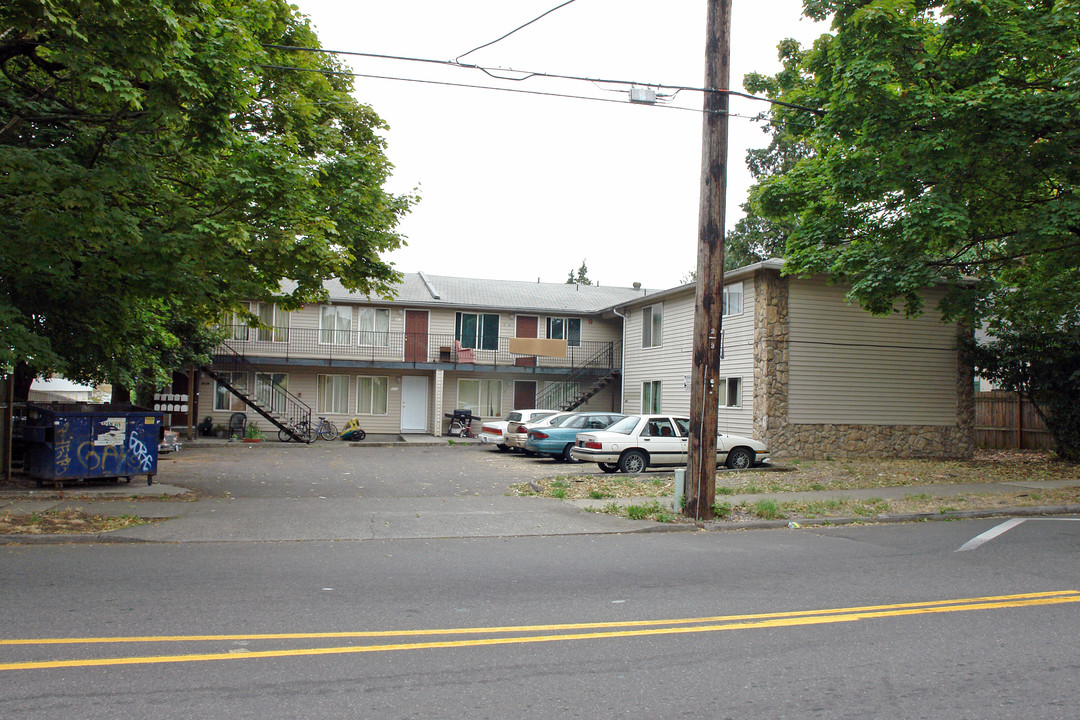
(723, 525)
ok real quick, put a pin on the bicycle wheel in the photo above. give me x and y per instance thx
(283, 436)
(328, 430)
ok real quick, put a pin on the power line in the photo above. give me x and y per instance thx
(527, 74)
(475, 87)
(519, 27)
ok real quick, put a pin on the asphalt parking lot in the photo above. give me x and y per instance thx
(342, 470)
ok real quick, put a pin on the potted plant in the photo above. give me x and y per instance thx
(221, 431)
(253, 434)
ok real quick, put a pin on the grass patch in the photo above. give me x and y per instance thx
(767, 510)
(61, 522)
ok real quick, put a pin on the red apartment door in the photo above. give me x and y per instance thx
(526, 327)
(416, 342)
(524, 394)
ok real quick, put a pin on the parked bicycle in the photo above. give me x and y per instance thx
(324, 430)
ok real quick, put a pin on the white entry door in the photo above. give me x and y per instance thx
(414, 404)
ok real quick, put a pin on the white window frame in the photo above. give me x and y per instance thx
(481, 340)
(558, 328)
(238, 380)
(486, 405)
(335, 324)
(371, 390)
(264, 391)
(733, 296)
(727, 386)
(276, 320)
(652, 326)
(328, 394)
(651, 390)
(373, 327)
(238, 327)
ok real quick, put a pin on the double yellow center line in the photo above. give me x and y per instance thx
(521, 634)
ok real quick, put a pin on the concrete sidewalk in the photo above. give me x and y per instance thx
(307, 519)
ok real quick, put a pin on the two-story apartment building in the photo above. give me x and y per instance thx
(806, 371)
(801, 368)
(442, 343)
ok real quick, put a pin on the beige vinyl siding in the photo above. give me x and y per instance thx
(738, 361)
(303, 382)
(847, 366)
(672, 362)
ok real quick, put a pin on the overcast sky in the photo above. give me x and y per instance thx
(526, 186)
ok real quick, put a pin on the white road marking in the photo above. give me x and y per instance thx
(990, 534)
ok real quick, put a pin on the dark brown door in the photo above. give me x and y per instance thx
(526, 327)
(524, 394)
(416, 337)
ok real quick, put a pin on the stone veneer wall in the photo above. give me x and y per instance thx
(817, 441)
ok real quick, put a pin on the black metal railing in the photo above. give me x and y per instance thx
(585, 381)
(330, 345)
(286, 411)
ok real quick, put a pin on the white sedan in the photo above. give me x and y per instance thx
(497, 432)
(640, 441)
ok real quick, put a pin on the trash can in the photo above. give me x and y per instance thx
(82, 441)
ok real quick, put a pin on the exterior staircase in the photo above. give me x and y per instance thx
(280, 407)
(585, 381)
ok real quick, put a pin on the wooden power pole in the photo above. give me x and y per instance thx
(701, 463)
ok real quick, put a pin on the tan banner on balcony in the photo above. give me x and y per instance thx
(538, 346)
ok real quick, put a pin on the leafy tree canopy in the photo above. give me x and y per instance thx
(158, 165)
(947, 148)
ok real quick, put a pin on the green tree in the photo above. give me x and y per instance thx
(581, 277)
(946, 146)
(160, 162)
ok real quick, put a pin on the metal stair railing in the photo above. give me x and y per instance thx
(285, 411)
(587, 379)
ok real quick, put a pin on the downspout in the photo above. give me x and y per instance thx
(622, 363)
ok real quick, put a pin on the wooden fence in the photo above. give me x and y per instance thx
(1004, 421)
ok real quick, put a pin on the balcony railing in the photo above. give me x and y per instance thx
(387, 347)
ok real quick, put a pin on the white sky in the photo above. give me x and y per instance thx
(525, 187)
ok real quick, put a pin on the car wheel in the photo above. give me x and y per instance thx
(633, 462)
(502, 447)
(740, 458)
(566, 456)
(608, 467)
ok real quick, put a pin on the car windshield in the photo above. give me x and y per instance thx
(684, 426)
(513, 417)
(624, 426)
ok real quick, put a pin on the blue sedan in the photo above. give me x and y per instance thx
(557, 439)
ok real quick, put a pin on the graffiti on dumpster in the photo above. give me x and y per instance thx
(63, 448)
(141, 453)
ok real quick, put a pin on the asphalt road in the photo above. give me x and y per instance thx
(276, 470)
(681, 625)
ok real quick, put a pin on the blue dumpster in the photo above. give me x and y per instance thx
(82, 441)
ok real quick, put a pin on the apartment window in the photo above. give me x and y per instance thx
(235, 324)
(733, 299)
(652, 326)
(276, 322)
(335, 325)
(225, 400)
(568, 329)
(477, 330)
(374, 326)
(371, 395)
(333, 395)
(271, 391)
(731, 392)
(480, 397)
(650, 397)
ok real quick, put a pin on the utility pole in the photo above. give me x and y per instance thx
(701, 462)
